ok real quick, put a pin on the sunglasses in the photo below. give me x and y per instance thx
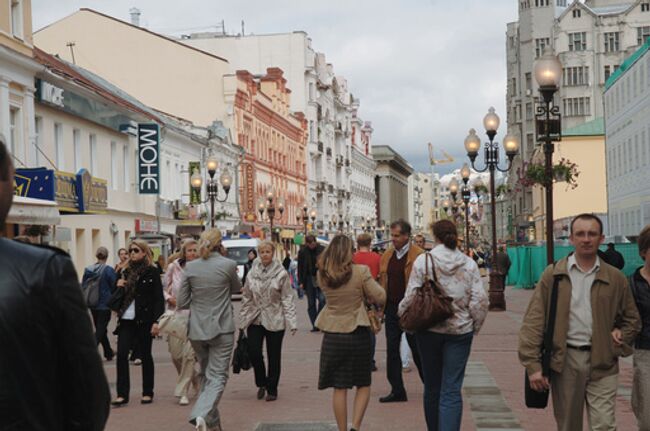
(134, 250)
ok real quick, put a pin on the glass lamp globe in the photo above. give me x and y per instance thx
(472, 143)
(511, 144)
(212, 164)
(548, 69)
(491, 121)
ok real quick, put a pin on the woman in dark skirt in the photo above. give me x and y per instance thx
(346, 351)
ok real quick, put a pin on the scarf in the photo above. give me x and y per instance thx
(133, 273)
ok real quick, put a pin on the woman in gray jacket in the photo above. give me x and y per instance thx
(267, 310)
(206, 288)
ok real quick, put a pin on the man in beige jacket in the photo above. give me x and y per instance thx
(596, 322)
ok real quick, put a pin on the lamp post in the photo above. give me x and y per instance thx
(548, 70)
(271, 209)
(212, 186)
(305, 217)
(466, 194)
(491, 154)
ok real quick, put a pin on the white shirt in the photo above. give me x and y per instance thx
(580, 318)
(129, 314)
(402, 251)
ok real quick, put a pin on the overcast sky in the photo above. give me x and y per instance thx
(425, 70)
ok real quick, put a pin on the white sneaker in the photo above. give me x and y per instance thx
(184, 401)
(200, 424)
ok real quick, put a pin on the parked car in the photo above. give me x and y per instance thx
(238, 251)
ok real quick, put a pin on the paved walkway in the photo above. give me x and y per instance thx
(493, 391)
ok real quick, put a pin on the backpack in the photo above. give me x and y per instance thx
(90, 285)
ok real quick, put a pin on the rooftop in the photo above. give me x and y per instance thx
(592, 128)
(629, 62)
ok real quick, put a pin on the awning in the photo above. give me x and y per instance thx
(33, 211)
(184, 229)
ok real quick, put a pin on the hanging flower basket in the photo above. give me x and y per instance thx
(534, 173)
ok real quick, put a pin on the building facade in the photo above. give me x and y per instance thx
(391, 184)
(591, 39)
(274, 141)
(330, 110)
(627, 145)
(416, 195)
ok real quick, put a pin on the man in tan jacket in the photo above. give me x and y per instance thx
(394, 272)
(596, 322)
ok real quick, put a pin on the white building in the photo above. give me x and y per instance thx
(363, 200)
(326, 101)
(592, 39)
(627, 144)
(418, 185)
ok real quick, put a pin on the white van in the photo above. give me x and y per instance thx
(238, 251)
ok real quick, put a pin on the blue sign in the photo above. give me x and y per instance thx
(35, 183)
(148, 158)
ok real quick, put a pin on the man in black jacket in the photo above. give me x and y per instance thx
(51, 375)
(307, 269)
(613, 257)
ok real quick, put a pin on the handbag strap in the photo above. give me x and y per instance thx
(550, 327)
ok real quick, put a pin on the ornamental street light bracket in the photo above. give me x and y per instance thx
(491, 123)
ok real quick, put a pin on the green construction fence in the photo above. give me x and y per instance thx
(528, 262)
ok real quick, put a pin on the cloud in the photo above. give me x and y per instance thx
(425, 71)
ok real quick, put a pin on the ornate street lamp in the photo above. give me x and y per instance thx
(305, 216)
(271, 209)
(491, 154)
(548, 71)
(212, 186)
(466, 194)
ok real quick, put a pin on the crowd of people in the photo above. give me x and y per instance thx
(51, 328)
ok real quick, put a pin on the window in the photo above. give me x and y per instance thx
(574, 76)
(645, 7)
(14, 132)
(561, 3)
(113, 165)
(530, 144)
(58, 146)
(513, 86)
(611, 41)
(577, 106)
(578, 41)
(577, 13)
(529, 82)
(38, 140)
(642, 34)
(541, 3)
(76, 145)
(540, 44)
(529, 111)
(92, 141)
(17, 18)
(608, 72)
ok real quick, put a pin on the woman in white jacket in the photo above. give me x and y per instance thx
(445, 348)
(267, 309)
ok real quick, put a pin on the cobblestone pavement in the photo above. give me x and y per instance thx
(493, 390)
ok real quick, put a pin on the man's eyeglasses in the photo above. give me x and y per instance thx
(134, 250)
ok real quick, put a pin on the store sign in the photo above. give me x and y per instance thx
(142, 225)
(195, 195)
(46, 92)
(148, 158)
(249, 191)
(80, 193)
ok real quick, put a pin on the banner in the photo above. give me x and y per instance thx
(195, 195)
(148, 158)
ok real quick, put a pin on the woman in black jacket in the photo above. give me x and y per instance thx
(141, 306)
(252, 255)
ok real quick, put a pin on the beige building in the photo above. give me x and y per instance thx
(391, 184)
(585, 146)
(159, 71)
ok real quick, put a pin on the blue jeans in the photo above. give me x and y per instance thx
(313, 294)
(444, 357)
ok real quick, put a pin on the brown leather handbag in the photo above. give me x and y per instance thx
(375, 322)
(430, 305)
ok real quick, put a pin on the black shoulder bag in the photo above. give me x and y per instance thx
(535, 399)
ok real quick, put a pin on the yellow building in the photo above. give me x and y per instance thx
(585, 146)
(159, 71)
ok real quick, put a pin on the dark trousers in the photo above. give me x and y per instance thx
(444, 357)
(256, 336)
(101, 318)
(129, 334)
(313, 294)
(393, 360)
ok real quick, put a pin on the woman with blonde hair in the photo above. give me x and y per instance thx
(267, 309)
(180, 348)
(205, 290)
(141, 305)
(346, 350)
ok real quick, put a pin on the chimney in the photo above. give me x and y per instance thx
(135, 16)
